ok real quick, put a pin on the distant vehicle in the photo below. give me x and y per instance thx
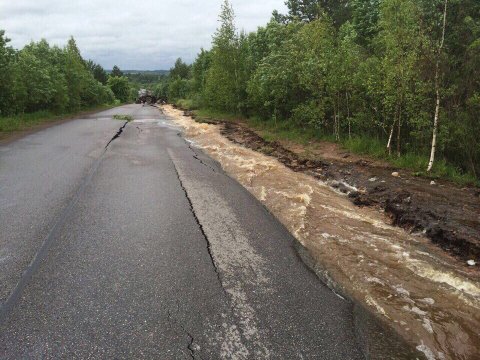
(145, 97)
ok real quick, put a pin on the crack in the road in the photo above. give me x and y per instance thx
(200, 226)
(48, 241)
(192, 348)
(119, 132)
(209, 250)
(195, 154)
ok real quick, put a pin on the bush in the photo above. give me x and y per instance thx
(120, 87)
(308, 115)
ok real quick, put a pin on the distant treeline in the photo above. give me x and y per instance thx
(402, 72)
(146, 79)
(41, 77)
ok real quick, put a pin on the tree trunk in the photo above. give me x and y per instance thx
(390, 137)
(399, 132)
(338, 116)
(335, 119)
(437, 92)
(348, 117)
(389, 144)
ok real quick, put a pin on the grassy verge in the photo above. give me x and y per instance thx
(22, 122)
(417, 163)
(286, 130)
(123, 117)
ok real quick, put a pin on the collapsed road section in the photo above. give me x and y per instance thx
(410, 284)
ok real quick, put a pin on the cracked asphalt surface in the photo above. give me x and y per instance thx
(145, 248)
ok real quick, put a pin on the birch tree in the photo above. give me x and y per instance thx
(437, 91)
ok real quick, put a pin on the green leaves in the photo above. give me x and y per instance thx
(120, 87)
(116, 72)
(41, 77)
(225, 80)
(358, 68)
(180, 70)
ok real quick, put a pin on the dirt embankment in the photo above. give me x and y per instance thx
(447, 214)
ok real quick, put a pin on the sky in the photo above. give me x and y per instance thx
(140, 35)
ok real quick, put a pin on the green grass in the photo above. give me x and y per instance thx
(123, 117)
(9, 124)
(287, 130)
(269, 129)
(186, 104)
(417, 163)
(25, 121)
(362, 146)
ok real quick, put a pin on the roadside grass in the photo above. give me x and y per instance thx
(21, 122)
(417, 163)
(187, 104)
(25, 121)
(370, 146)
(123, 117)
(272, 130)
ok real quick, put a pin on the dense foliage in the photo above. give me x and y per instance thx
(41, 77)
(147, 79)
(353, 69)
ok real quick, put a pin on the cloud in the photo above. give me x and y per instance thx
(134, 35)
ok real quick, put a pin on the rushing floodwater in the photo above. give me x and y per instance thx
(409, 282)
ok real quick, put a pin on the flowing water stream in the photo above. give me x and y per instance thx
(421, 292)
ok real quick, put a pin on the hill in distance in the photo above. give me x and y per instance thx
(149, 72)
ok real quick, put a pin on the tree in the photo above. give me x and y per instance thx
(365, 15)
(98, 72)
(76, 74)
(7, 57)
(303, 10)
(221, 90)
(116, 72)
(400, 38)
(178, 89)
(342, 74)
(437, 90)
(43, 77)
(310, 10)
(370, 69)
(120, 87)
(274, 88)
(316, 42)
(180, 70)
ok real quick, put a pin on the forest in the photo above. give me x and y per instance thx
(399, 79)
(41, 81)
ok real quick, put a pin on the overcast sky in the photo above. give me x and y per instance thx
(144, 35)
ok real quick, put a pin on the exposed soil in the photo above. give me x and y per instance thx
(447, 214)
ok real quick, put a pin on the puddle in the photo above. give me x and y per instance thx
(408, 282)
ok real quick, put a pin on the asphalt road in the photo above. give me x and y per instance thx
(145, 248)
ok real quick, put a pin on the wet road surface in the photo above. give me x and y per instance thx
(145, 248)
(401, 278)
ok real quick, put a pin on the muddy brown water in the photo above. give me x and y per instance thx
(408, 282)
